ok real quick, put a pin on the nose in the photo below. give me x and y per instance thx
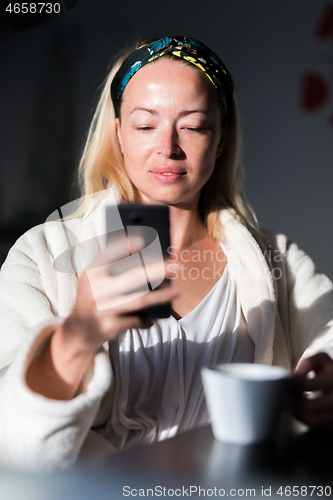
(169, 143)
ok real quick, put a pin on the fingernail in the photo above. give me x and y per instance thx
(136, 243)
(173, 267)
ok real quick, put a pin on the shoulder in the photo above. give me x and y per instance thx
(39, 246)
(274, 242)
(269, 239)
(27, 246)
(301, 271)
(68, 242)
(39, 238)
(281, 244)
(265, 238)
(29, 257)
(276, 247)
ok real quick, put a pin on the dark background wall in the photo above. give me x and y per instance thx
(280, 54)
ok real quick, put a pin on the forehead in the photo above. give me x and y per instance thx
(170, 78)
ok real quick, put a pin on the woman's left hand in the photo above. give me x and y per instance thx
(312, 391)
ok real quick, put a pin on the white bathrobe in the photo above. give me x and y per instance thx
(287, 305)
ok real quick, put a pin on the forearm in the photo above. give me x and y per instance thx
(57, 371)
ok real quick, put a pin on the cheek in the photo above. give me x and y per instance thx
(135, 148)
(207, 161)
(205, 153)
(135, 160)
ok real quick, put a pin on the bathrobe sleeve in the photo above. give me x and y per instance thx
(36, 432)
(304, 301)
(310, 304)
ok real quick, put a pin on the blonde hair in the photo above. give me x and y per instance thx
(102, 164)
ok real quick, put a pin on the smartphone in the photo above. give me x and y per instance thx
(151, 222)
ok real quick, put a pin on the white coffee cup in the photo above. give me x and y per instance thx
(244, 400)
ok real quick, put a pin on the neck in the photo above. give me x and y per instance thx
(186, 228)
(186, 225)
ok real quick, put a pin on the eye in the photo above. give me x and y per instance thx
(145, 129)
(199, 130)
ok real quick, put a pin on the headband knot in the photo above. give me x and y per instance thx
(186, 48)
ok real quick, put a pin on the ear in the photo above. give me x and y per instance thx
(117, 124)
(221, 144)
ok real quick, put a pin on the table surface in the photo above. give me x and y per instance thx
(193, 465)
(295, 456)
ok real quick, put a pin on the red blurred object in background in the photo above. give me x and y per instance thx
(314, 91)
(325, 26)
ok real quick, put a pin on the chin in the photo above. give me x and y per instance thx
(159, 197)
(169, 196)
(158, 200)
(170, 201)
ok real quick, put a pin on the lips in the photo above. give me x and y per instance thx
(171, 170)
(167, 174)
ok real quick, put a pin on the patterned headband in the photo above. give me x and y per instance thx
(186, 48)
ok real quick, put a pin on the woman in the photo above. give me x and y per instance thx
(168, 136)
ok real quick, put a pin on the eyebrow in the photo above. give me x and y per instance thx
(182, 113)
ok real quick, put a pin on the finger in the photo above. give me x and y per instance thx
(104, 286)
(316, 363)
(137, 301)
(154, 270)
(316, 412)
(322, 382)
(171, 269)
(136, 278)
(113, 327)
(113, 292)
(303, 383)
(129, 281)
(117, 250)
(314, 373)
(316, 405)
(314, 420)
(134, 301)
